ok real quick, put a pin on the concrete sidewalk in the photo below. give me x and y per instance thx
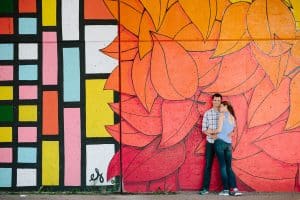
(177, 196)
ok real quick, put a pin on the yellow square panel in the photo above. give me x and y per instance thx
(5, 134)
(6, 93)
(28, 113)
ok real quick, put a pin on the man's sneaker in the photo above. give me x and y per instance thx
(235, 192)
(203, 191)
(224, 193)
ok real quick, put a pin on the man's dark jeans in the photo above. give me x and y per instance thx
(209, 156)
(224, 153)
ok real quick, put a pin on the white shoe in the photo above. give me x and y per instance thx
(224, 193)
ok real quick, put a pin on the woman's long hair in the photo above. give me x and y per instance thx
(229, 107)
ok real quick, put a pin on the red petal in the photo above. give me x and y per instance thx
(136, 115)
(272, 106)
(153, 163)
(191, 172)
(135, 187)
(173, 79)
(207, 99)
(130, 136)
(178, 118)
(171, 183)
(141, 81)
(283, 147)
(263, 173)
(114, 167)
(238, 68)
(112, 82)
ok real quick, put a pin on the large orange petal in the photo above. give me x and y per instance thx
(141, 81)
(128, 46)
(170, 27)
(272, 106)
(171, 2)
(208, 68)
(157, 10)
(273, 66)
(204, 21)
(192, 40)
(145, 39)
(234, 34)
(173, 79)
(237, 67)
(268, 19)
(112, 82)
(294, 120)
(130, 136)
(130, 11)
(221, 7)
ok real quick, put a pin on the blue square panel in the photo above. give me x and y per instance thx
(27, 26)
(6, 51)
(26, 155)
(5, 177)
(28, 72)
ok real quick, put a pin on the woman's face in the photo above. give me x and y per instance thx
(223, 108)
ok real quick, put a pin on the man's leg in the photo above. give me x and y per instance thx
(209, 156)
(220, 148)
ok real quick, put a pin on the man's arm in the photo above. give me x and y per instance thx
(205, 128)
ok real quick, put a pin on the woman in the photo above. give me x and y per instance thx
(223, 148)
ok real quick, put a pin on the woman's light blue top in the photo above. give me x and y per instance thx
(227, 128)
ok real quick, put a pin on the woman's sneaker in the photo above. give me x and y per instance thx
(224, 193)
(203, 191)
(235, 192)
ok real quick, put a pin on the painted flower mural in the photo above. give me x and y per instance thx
(174, 54)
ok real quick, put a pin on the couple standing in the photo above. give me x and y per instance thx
(218, 124)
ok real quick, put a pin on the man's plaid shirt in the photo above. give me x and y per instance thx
(210, 121)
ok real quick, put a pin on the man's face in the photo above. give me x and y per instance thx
(216, 102)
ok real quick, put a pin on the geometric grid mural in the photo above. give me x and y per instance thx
(52, 104)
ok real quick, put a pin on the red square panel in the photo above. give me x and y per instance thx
(96, 9)
(27, 6)
(6, 25)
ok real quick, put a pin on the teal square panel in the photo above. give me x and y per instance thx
(6, 51)
(5, 177)
(28, 72)
(27, 26)
(26, 155)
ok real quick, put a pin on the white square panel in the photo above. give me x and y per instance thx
(97, 37)
(97, 160)
(28, 51)
(26, 177)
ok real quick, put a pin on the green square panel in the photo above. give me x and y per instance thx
(6, 6)
(6, 112)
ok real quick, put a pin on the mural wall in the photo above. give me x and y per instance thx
(67, 121)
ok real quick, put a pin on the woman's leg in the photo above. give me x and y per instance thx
(228, 160)
(219, 149)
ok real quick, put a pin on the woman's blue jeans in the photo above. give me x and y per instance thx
(223, 151)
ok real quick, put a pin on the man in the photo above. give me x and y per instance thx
(210, 121)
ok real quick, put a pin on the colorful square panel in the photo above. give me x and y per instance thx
(6, 51)
(27, 6)
(5, 134)
(6, 6)
(28, 72)
(6, 25)
(27, 155)
(26, 177)
(94, 161)
(6, 73)
(28, 113)
(6, 92)
(7, 113)
(28, 92)
(27, 26)
(6, 155)
(5, 177)
(27, 134)
(28, 51)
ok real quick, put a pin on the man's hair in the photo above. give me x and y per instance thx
(217, 95)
